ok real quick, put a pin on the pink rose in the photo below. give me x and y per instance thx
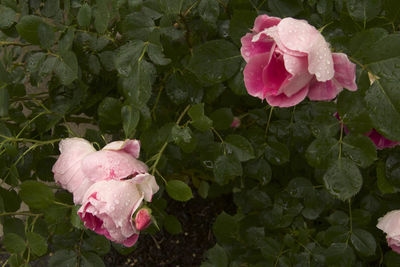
(390, 224)
(380, 141)
(108, 207)
(289, 59)
(80, 165)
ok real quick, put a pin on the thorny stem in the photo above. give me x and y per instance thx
(341, 140)
(20, 213)
(351, 222)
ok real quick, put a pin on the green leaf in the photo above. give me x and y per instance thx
(383, 100)
(226, 228)
(36, 243)
(137, 25)
(203, 189)
(277, 153)
(97, 243)
(360, 149)
(66, 41)
(110, 111)
(36, 195)
(363, 10)
(130, 119)
(172, 225)
(90, 259)
(46, 35)
(285, 8)
(66, 67)
(240, 23)
(343, 179)
(4, 101)
(156, 54)
(340, 254)
(222, 118)
(101, 16)
(84, 15)
(63, 258)
(137, 87)
(209, 11)
(259, 170)
(226, 168)
(392, 169)
(178, 190)
(322, 151)
(199, 120)
(28, 26)
(240, 146)
(11, 200)
(363, 242)
(127, 55)
(13, 243)
(215, 61)
(216, 256)
(383, 184)
(8, 17)
(75, 219)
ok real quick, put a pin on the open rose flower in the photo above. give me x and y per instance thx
(80, 165)
(108, 207)
(390, 224)
(288, 59)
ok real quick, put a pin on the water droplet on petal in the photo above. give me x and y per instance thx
(318, 74)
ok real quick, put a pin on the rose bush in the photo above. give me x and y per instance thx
(294, 187)
(288, 59)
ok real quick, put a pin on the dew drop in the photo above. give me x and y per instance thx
(116, 201)
(328, 62)
(318, 74)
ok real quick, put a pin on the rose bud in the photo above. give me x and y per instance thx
(235, 122)
(288, 59)
(143, 219)
(390, 224)
(108, 207)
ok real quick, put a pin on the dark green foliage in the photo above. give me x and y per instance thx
(308, 187)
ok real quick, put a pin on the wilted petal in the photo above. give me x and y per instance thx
(129, 146)
(250, 48)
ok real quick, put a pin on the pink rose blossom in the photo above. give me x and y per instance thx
(108, 207)
(390, 224)
(288, 59)
(80, 165)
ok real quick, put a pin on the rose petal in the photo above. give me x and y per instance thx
(324, 90)
(285, 101)
(72, 150)
(298, 35)
(253, 78)
(147, 185)
(300, 77)
(394, 244)
(264, 21)
(345, 71)
(390, 223)
(274, 74)
(250, 48)
(131, 147)
(106, 165)
(380, 141)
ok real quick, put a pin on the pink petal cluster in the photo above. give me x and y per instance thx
(288, 59)
(380, 141)
(110, 184)
(390, 224)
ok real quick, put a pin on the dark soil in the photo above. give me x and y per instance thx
(181, 250)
